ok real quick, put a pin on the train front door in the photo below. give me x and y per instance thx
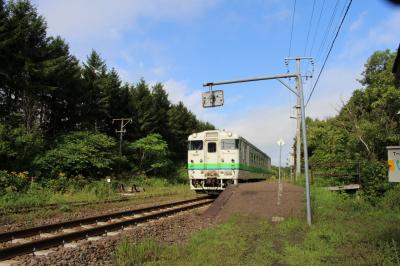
(211, 158)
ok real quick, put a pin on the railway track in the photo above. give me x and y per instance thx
(53, 206)
(31, 240)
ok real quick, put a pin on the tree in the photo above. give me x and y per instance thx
(97, 100)
(61, 107)
(365, 125)
(162, 106)
(26, 61)
(144, 109)
(152, 155)
(80, 153)
(18, 148)
(181, 123)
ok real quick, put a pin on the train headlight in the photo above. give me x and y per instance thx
(201, 160)
(191, 161)
(233, 160)
(194, 135)
(230, 134)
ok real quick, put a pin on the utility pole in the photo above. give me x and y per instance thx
(122, 130)
(298, 109)
(300, 101)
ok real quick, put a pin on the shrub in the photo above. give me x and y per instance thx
(14, 182)
(80, 153)
(391, 199)
(151, 155)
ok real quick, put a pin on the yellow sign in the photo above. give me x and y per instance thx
(391, 165)
(394, 163)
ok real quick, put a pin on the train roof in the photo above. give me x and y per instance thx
(223, 133)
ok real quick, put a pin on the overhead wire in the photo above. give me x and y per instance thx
(291, 31)
(309, 27)
(329, 52)
(316, 28)
(327, 31)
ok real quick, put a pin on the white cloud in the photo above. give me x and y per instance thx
(387, 32)
(356, 24)
(336, 84)
(384, 35)
(77, 18)
(263, 126)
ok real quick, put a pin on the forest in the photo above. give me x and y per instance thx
(56, 113)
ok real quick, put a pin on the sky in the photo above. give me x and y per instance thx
(186, 43)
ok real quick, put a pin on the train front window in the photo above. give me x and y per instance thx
(229, 144)
(212, 147)
(195, 145)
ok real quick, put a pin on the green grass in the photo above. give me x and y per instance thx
(97, 191)
(346, 230)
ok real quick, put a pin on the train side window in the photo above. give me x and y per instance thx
(212, 147)
(229, 144)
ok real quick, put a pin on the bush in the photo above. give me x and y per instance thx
(374, 179)
(14, 182)
(80, 153)
(151, 156)
(391, 199)
(18, 148)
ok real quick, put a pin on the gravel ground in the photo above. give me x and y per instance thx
(260, 199)
(174, 229)
(21, 221)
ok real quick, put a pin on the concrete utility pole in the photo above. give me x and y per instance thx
(298, 109)
(300, 101)
(122, 130)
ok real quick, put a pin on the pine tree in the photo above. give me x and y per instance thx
(119, 104)
(61, 108)
(181, 123)
(144, 109)
(162, 106)
(96, 99)
(26, 48)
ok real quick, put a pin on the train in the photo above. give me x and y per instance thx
(218, 158)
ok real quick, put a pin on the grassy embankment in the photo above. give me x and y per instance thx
(95, 191)
(346, 231)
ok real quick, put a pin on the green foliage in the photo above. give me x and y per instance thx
(346, 231)
(152, 155)
(391, 199)
(365, 125)
(80, 153)
(18, 148)
(14, 182)
(129, 254)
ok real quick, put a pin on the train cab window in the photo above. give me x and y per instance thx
(195, 145)
(229, 144)
(212, 147)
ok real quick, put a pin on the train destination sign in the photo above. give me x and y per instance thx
(212, 98)
(394, 163)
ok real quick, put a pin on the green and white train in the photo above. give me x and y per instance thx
(217, 158)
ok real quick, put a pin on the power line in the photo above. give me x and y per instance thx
(341, 15)
(309, 27)
(330, 49)
(327, 30)
(291, 31)
(316, 27)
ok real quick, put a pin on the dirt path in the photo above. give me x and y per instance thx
(259, 199)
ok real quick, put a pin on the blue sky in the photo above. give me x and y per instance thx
(186, 43)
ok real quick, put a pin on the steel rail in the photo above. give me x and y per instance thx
(7, 236)
(21, 249)
(57, 205)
